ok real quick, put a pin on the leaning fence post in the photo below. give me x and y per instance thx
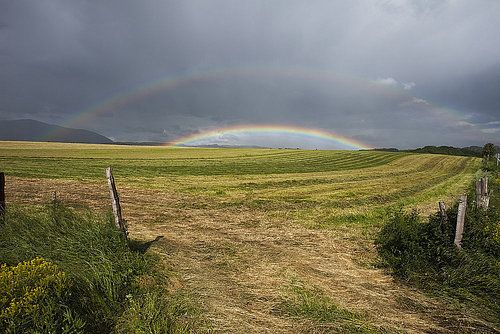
(115, 203)
(459, 231)
(2, 194)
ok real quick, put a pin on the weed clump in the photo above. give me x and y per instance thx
(324, 315)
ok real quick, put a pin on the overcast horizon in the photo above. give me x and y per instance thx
(383, 73)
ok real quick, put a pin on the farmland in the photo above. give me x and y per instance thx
(264, 240)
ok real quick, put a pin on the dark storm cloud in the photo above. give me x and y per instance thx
(479, 93)
(390, 73)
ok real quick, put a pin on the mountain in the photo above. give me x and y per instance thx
(31, 130)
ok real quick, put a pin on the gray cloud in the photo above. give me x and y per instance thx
(390, 73)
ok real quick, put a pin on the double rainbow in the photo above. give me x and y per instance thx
(140, 92)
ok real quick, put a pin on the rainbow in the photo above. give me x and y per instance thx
(211, 134)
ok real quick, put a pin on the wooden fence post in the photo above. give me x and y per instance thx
(459, 231)
(478, 192)
(485, 198)
(2, 194)
(115, 203)
(442, 213)
(482, 197)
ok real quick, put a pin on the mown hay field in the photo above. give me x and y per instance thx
(265, 240)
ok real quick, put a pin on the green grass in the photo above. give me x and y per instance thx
(152, 313)
(327, 317)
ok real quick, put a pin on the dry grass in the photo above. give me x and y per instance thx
(235, 241)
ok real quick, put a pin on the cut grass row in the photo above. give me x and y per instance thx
(416, 180)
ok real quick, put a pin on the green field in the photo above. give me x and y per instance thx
(77, 161)
(264, 240)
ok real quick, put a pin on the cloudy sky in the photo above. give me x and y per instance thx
(392, 73)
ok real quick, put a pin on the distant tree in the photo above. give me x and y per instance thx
(488, 150)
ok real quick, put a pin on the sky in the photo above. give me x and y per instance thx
(386, 73)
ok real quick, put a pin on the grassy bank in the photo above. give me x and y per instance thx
(71, 271)
(422, 253)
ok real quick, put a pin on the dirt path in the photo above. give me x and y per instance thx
(239, 261)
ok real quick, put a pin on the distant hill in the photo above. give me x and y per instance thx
(384, 149)
(31, 130)
(222, 146)
(469, 151)
(450, 150)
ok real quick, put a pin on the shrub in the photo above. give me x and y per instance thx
(398, 242)
(423, 252)
(33, 298)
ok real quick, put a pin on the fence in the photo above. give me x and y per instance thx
(120, 223)
(482, 202)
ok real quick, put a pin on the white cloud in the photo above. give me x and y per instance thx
(389, 81)
(464, 124)
(408, 85)
(418, 100)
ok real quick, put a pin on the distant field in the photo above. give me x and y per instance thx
(241, 225)
(87, 161)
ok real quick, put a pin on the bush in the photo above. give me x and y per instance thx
(88, 251)
(33, 298)
(398, 242)
(423, 252)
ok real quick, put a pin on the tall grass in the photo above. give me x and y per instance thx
(86, 247)
(149, 312)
